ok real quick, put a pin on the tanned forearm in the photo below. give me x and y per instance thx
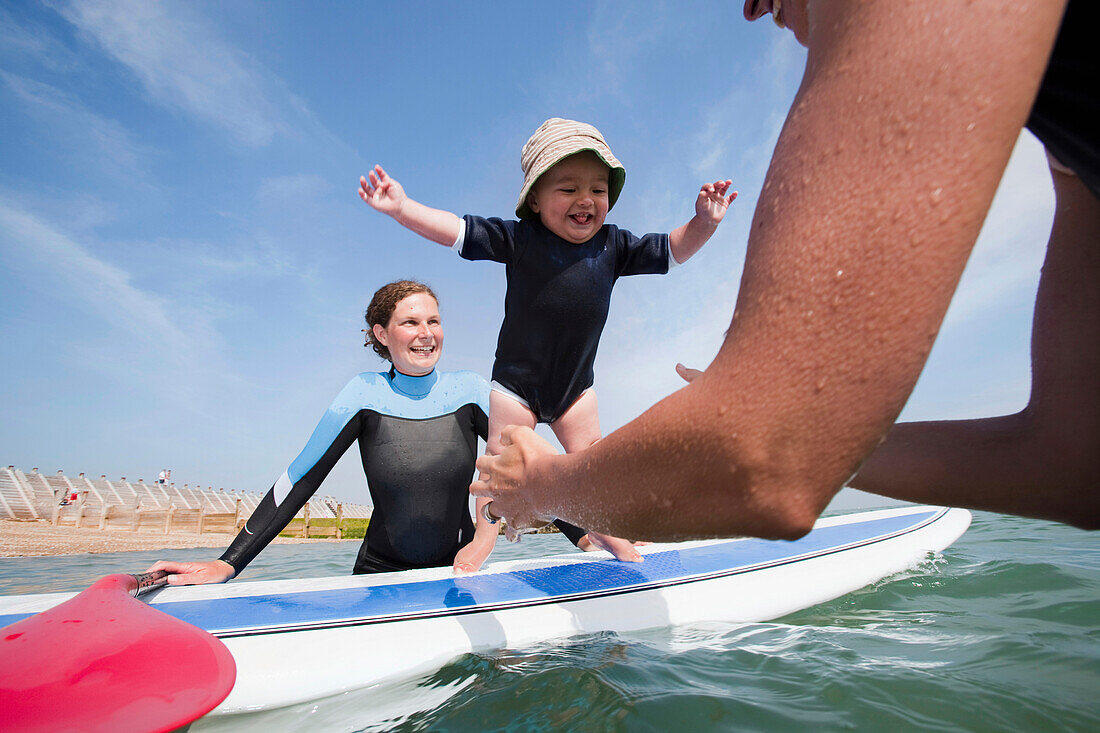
(877, 190)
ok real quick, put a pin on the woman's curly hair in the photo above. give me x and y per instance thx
(381, 308)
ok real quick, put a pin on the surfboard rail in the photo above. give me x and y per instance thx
(378, 627)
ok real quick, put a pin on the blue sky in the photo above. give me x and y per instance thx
(184, 260)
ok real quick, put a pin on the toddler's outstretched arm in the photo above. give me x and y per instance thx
(384, 194)
(710, 208)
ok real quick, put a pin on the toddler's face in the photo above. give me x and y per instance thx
(571, 198)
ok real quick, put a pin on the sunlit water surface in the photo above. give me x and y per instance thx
(1000, 632)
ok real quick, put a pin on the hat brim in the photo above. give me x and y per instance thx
(615, 179)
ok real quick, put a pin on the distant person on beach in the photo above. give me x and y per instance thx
(162, 477)
(417, 430)
(878, 187)
(562, 261)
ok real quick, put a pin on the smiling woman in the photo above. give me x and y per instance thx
(417, 431)
(404, 327)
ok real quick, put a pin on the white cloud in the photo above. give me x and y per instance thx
(78, 127)
(26, 40)
(1009, 252)
(732, 133)
(618, 33)
(683, 317)
(258, 257)
(183, 64)
(280, 190)
(97, 286)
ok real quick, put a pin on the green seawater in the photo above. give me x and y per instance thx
(1001, 632)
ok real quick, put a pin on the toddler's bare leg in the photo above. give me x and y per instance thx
(505, 411)
(577, 429)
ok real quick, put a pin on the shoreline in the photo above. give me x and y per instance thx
(42, 539)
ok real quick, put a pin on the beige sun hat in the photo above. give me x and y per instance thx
(557, 139)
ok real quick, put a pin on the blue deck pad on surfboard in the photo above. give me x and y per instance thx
(248, 615)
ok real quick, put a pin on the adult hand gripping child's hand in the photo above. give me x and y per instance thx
(712, 203)
(505, 477)
(382, 193)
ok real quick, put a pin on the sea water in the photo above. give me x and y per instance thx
(999, 632)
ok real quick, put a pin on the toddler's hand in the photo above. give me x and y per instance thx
(382, 193)
(712, 203)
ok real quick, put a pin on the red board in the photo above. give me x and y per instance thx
(105, 661)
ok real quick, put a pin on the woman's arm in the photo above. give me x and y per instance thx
(473, 555)
(331, 438)
(878, 187)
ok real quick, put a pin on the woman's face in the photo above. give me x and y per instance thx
(414, 335)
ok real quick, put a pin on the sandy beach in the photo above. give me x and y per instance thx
(36, 539)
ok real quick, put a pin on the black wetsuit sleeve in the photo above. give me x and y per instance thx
(572, 531)
(489, 239)
(328, 442)
(269, 521)
(648, 255)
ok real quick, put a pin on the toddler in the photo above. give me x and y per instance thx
(561, 262)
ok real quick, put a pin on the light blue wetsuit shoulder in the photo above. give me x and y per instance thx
(393, 394)
(418, 439)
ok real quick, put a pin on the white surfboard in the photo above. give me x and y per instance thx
(299, 640)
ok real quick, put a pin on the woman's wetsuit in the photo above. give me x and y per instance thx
(418, 442)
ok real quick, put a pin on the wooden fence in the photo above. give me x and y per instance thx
(307, 529)
(163, 520)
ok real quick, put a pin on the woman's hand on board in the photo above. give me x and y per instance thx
(195, 573)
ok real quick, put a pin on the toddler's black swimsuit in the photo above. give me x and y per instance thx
(556, 304)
